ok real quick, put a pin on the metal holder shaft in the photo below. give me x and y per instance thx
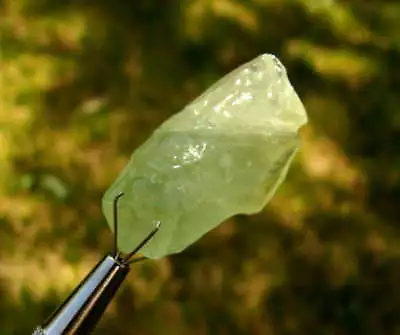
(82, 310)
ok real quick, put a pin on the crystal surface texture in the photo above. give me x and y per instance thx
(224, 154)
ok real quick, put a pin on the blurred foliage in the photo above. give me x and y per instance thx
(83, 83)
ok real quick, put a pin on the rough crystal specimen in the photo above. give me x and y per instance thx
(223, 154)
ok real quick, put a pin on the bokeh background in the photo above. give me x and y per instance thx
(84, 83)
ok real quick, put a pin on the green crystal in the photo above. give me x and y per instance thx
(223, 154)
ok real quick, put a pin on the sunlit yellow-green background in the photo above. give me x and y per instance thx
(84, 82)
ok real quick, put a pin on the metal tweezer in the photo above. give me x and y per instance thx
(82, 310)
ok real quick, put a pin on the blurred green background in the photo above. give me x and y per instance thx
(84, 82)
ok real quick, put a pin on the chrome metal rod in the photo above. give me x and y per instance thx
(82, 310)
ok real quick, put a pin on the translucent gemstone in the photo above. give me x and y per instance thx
(225, 153)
